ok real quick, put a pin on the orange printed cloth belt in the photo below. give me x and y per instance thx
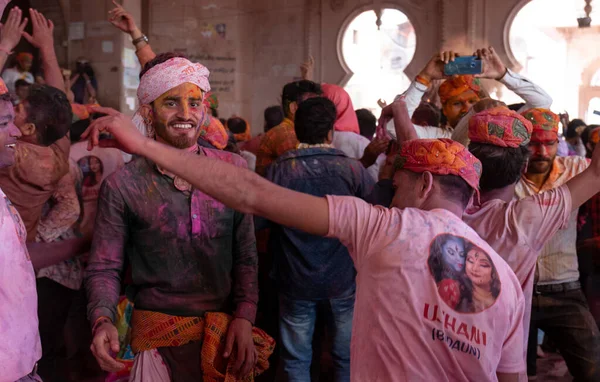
(151, 330)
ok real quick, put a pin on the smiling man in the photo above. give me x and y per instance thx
(20, 347)
(188, 253)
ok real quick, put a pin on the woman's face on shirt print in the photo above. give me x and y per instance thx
(453, 254)
(479, 268)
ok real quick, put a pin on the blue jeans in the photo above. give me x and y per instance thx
(297, 326)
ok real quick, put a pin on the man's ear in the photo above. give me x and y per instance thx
(28, 129)
(147, 113)
(293, 107)
(426, 186)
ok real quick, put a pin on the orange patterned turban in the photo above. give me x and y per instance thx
(458, 85)
(545, 124)
(500, 126)
(440, 157)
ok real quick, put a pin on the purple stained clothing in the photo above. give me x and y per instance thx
(188, 253)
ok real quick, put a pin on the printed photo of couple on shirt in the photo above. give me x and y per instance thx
(465, 275)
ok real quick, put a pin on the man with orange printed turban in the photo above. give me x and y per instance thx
(458, 94)
(400, 315)
(189, 254)
(559, 305)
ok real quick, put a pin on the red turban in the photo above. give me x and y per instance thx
(545, 124)
(458, 85)
(500, 126)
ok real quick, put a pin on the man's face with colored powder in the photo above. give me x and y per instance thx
(9, 133)
(178, 116)
(543, 152)
(456, 107)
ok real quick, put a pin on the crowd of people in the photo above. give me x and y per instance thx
(432, 244)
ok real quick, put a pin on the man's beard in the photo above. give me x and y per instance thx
(179, 141)
(533, 167)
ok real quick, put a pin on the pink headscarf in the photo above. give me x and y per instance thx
(346, 116)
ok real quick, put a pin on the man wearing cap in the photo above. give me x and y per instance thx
(559, 306)
(458, 94)
(189, 254)
(406, 257)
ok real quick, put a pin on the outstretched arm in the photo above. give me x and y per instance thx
(587, 183)
(240, 189)
(43, 39)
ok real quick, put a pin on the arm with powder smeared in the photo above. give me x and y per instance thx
(404, 128)
(237, 188)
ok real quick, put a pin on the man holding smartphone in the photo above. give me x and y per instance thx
(459, 93)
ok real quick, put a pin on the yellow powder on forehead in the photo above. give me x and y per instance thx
(185, 90)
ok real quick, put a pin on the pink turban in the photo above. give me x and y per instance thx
(346, 116)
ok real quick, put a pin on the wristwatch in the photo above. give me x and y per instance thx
(143, 38)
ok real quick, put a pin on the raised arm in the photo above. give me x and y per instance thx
(494, 68)
(238, 188)
(43, 39)
(11, 34)
(587, 183)
(121, 19)
(398, 112)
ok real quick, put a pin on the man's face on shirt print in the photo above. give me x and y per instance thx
(465, 276)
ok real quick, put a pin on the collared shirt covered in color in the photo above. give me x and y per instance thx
(558, 261)
(189, 253)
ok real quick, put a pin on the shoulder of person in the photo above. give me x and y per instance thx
(225, 156)
(575, 162)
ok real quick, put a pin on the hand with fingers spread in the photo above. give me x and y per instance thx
(106, 340)
(307, 69)
(239, 337)
(43, 29)
(120, 18)
(12, 30)
(492, 65)
(434, 70)
(125, 136)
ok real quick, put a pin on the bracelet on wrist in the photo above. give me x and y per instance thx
(422, 80)
(99, 322)
(143, 38)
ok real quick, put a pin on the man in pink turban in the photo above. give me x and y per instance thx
(189, 254)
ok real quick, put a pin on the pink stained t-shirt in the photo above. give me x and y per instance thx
(413, 320)
(519, 230)
(20, 346)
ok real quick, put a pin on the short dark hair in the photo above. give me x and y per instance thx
(428, 114)
(314, 120)
(295, 92)
(20, 83)
(273, 117)
(215, 112)
(77, 128)
(50, 111)
(585, 136)
(455, 188)
(367, 123)
(516, 106)
(236, 125)
(159, 59)
(501, 166)
(571, 131)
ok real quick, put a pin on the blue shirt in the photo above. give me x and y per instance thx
(309, 267)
